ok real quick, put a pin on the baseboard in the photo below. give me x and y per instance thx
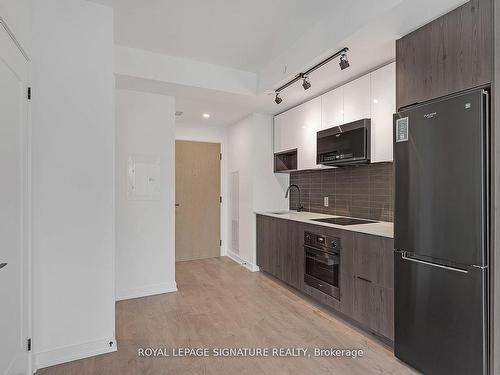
(72, 353)
(250, 266)
(144, 291)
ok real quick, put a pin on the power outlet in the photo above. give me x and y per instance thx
(325, 201)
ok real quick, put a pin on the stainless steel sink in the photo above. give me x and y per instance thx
(283, 212)
(344, 221)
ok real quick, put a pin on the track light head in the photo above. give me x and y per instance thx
(344, 63)
(278, 100)
(305, 83)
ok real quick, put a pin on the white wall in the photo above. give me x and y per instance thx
(179, 70)
(145, 230)
(269, 188)
(216, 134)
(240, 159)
(17, 15)
(73, 180)
(250, 152)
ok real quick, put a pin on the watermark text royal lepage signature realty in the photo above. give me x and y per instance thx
(250, 352)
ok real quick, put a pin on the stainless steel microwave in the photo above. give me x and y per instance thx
(345, 144)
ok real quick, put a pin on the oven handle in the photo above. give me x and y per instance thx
(332, 252)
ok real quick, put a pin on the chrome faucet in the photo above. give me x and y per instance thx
(299, 204)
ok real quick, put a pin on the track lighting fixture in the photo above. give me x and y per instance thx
(305, 83)
(344, 63)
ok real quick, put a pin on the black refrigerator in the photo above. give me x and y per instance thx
(441, 234)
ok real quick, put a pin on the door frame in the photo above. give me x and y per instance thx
(26, 191)
(223, 172)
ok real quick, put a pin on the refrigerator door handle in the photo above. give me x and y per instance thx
(404, 256)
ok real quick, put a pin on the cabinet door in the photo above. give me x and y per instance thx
(308, 122)
(267, 251)
(292, 253)
(357, 99)
(364, 301)
(286, 131)
(373, 269)
(297, 128)
(450, 54)
(374, 259)
(383, 106)
(279, 122)
(332, 108)
(262, 243)
(373, 307)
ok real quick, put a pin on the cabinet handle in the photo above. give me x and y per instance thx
(362, 278)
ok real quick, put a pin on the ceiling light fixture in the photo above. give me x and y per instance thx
(305, 83)
(344, 63)
(206, 115)
(278, 100)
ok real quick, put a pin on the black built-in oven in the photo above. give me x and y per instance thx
(322, 263)
(344, 144)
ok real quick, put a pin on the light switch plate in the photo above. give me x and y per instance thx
(143, 178)
(325, 201)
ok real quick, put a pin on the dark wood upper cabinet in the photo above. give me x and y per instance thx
(450, 54)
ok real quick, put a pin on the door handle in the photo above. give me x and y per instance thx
(404, 256)
(2, 265)
(363, 279)
(177, 205)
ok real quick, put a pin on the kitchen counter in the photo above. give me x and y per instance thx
(380, 228)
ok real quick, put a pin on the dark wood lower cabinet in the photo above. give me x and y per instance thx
(279, 249)
(374, 307)
(366, 269)
(373, 273)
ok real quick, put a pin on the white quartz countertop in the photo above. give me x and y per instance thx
(380, 228)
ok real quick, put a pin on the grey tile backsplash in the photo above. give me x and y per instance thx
(364, 191)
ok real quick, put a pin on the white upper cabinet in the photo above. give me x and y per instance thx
(357, 99)
(286, 135)
(308, 124)
(296, 129)
(383, 106)
(370, 96)
(332, 108)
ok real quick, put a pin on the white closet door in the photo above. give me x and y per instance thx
(14, 214)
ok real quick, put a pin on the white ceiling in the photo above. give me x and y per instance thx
(247, 34)
(242, 34)
(224, 108)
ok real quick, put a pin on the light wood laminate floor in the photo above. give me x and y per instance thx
(221, 304)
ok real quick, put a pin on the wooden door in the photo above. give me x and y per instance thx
(197, 199)
(14, 212)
